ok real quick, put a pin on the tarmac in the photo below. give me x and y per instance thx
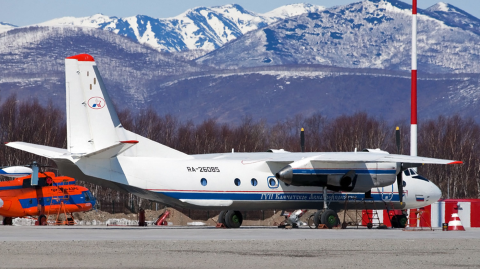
(247, 247)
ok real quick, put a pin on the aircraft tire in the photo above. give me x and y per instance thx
(233, 219)
(329, 218)
(7, 221)
(402, 221)
(42, 220)
(317, 218)
(221, 218)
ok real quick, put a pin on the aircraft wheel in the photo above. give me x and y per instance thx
(42, 220)
(369, 225)
(233, 219)
(402, 221)
(7, 221)
(330, 218)
(317, 218)
(221, 218)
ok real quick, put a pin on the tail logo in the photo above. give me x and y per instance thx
(96, 102)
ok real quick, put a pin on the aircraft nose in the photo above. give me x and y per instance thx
(435, 193)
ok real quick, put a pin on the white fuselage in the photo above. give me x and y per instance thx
(245, 181)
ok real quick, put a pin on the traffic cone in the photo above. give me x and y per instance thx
(455, 224)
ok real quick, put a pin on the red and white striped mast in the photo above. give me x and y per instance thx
(413, 117)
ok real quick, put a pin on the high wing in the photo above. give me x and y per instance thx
(332, 157)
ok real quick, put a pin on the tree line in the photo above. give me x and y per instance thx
(449, 137)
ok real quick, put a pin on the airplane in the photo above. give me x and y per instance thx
(101, 151)
(52, 195)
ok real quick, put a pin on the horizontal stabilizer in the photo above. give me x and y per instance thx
(45, 151)
(112, 151)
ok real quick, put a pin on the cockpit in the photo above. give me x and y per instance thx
(88, 197)
(414, 174)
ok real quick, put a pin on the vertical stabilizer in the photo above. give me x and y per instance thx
(92, 123)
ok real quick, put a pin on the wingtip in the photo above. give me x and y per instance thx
(129, 142)
(456, 162)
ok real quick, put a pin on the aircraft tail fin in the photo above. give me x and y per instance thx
(92, 122)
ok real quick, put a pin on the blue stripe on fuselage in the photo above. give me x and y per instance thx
(343, 171)
(280, 196)
(10, 188)
(47, 201)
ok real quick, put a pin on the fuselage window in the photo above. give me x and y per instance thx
(407, 173)
(254, 182)
(203, 181)
(237, 182)
(272, 182)
(404, 183)
(87, 73)
(94, 81)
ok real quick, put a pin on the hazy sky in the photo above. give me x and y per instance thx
(25, 12)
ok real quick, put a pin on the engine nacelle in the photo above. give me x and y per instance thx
(286, 175)
(360, 179)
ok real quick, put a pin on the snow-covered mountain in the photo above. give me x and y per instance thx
(199, 28)
(367, 34)
(453, 16)
(6, 26)
(344, 59)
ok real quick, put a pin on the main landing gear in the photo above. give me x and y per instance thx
(327, 217)
(230, 218)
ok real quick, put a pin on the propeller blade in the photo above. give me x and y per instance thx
(397, 139)
(400, 184)
(302, 140)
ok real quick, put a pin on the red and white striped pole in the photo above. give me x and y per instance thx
(413, 119)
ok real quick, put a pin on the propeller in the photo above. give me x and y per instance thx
(302, 140)
(400, 174)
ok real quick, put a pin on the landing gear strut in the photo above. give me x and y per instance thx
(328, 217)
(230, 218)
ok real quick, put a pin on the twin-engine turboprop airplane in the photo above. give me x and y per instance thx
(18, 198)
(101, 151)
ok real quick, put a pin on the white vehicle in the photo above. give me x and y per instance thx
(101, 151)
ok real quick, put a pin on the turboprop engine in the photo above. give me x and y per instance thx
(352, 177)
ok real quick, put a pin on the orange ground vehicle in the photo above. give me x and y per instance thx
(52, 195)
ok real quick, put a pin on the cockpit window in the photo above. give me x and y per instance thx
(421, 178)
(87, 196)
(406, 172)
(412, 172)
